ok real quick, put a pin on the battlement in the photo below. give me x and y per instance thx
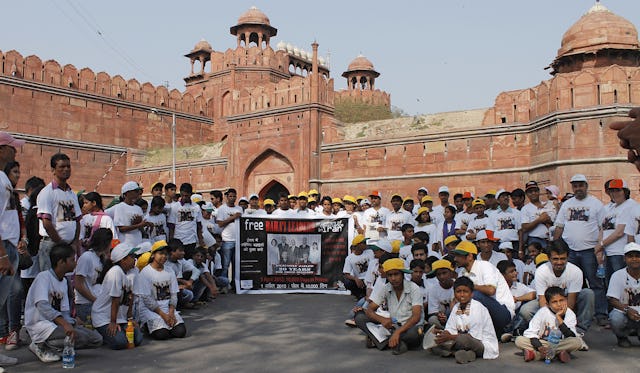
(376, 97)
(50, 72)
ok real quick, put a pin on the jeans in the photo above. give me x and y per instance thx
(184, 296)
(500, 315)
(43, 254)
(83, 310)
(583, 309)
(227, 251)
(85, 338)
(412, 337)
(516, 324)
(7, 287)
(621, 325)
(612, 264)
(221, 282)
(199, 289)
(119, 340)
(586, 261)
(354, 289)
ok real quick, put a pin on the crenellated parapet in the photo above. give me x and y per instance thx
(49, 72)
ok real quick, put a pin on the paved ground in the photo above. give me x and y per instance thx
(304, 333)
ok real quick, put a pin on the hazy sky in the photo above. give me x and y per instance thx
(433, 56)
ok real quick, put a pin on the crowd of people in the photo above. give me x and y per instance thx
(453, 273)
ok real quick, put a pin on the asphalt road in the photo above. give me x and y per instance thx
(304, 333)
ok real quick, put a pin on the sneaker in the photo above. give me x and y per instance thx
(12, 341)
(464, 356)
(42, 354)
(624, 342)
(506, 337)
(350, 323)
(564, 356)
(602, 320)
(400, 349)
(368, 342)
(3, 340)
(585, 346)
(529, 355)
(7, 360)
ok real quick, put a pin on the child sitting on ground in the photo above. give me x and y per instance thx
(521, 294)
(47, 317)
(440, 292)
(88, 270)
(469, 331)
(556, 315)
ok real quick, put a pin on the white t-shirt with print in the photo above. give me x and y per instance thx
(615, 215)
(159, 231)
(544, 320)
(63, 208)
(185, 217)
(506, 224)
(530, 213)
(124, 216)
(485, 273)
(357, 265)
(477, 323)
(632, 222)
(46, 287)
(229, 230)
(570, 279)
(625, 288)
(88, 220)
(438, 298)
(116, 284)
(395, 221)
(89, 266)
(581, 221)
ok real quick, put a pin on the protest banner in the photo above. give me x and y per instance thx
(291, 255)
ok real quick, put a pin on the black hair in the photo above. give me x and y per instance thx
(552, 291)
(230, 190)
(32, 222)
(452, 209)
(405, 227)
(537, 245)
(32, 183)
(422, 236)
(9, 166)
(174, 244)
(168, 186)
(202, 251)
(60, 251)
(58, 157)
(216, 193)
(457, 195)
(101, 238)
(386, 256)
(94, 197)
(157, 201)
(517, 193)
(463, 281)
(186, 187)
(559, 246)
(417, 263)
(419, 246)
(503, 265)
(326, 198)
(141, 202)
(418, 219)
(430, 260)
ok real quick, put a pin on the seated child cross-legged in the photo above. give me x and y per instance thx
(469, 332)
(47, 317)
(555, 316)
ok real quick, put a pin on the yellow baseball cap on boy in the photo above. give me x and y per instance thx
(439, 264)
(159, 245)
(465, 248)
(358, 239)
(395, 264)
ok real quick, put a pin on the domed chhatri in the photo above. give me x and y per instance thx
(599, 28)
(360, 63)
(254, 16)
(360, 74)
(253, 27)
(202, 45)
(598, 38)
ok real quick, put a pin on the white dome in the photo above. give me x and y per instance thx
(321, 60)
(281, 45)
(289, 48)
(296, 51)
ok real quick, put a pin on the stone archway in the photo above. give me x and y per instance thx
(272, 190)
(268, 168)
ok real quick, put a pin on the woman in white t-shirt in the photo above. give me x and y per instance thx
(157, 289)
(93, 218)
(88, 270)
(425, 225)
(116, 292)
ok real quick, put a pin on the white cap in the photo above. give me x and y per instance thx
(505, 245)
(195, 198)
(243, 198)
(443, 189)
(144, 247)
(383, 244)
(482, 235)
(365, 202)
(129, 186)
(121, 251)
(208, 238)
(578, 178)
(498, 193)
(253, 195)
(631, 246)
(424, 189)
(208, 206)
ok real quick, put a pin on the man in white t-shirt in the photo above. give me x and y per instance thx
(374, 219)
(356, 265)
(558, 272)
(397, 218)
(506, 220)
(480, 221)
(534, 220)
(490, 288)
(129, 217)
(485, 241)
(578, 223)
(58, 211)
(443, 195)
(624, 296)
(226, 218)
(185, 221)
(284, 209)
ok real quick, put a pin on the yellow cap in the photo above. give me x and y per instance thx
(268, 201)
(395, 246)
(407, 198)
(159, 245)
(360, 198)
(426, 199)
(349, 198)
(313, 191)
(477, 202)
(541, 258)
(421, 210)
(358, 239)
(450, 239)
(491, 192)
(143, 260)
(465, 248)
(439, 264)
(292, 196)
(396, 195)
(336, 200)
(394, 264)
(303, 195)
(311, 199)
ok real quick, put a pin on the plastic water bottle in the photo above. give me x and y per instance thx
(600, 273)
(68, 354)
(130, 332)
(555, 335)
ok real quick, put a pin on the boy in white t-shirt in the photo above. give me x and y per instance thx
(556, 316)
(47, 316)
(440, 292)
(356, 265)
(88, 270)
(129, 217)
(624, 296)
(521, 294)
(157, 230)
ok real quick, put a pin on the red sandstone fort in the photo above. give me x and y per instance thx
(262, 119)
